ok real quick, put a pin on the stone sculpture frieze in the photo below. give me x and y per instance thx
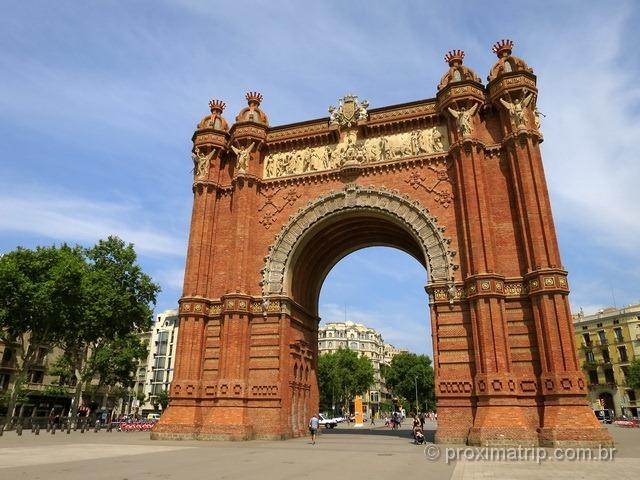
(352, 150)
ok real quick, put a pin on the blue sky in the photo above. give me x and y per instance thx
(99, 99)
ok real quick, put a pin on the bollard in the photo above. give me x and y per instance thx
(110, 427)
(37, 432)
(53, 429)
(68, 426)
(48, 426)
(96, 426)
(19, 429)
(1, 429)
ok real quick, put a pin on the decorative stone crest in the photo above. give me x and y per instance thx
(349, 111)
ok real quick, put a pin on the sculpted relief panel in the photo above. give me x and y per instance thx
(352, 150)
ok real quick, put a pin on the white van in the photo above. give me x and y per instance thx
(153, 416)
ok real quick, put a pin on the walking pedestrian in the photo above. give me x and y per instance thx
(313, 427)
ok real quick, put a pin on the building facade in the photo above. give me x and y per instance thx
(45, 393)
(607, 342)
(156, 371)
(367, 342)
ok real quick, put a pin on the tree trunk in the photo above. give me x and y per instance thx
(27, 362)
(77, 369)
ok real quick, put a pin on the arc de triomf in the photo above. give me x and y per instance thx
(457, 182)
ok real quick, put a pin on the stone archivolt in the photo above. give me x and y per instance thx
(351, 150)
(411, 215)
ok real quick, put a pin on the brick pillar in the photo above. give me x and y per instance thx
(566, 418)
(499, 417)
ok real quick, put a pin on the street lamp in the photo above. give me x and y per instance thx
(416, 382)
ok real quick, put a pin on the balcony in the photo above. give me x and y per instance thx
(8, 364)
(589, 365)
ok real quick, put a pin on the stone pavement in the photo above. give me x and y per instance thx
(344, 452)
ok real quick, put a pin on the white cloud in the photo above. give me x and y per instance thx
(172, 278)
(62, 216)
(589, 92)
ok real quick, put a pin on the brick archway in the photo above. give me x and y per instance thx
(355, 217)
(275, 207)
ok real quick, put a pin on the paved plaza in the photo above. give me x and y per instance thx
(345, 452)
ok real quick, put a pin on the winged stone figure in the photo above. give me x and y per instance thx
(517, 108)
(201, 162)
(243, 157)
(463, 119)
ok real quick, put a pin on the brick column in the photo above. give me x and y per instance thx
(566, 417)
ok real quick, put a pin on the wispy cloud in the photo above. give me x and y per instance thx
(66, 217)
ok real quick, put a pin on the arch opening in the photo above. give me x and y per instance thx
(339, 223)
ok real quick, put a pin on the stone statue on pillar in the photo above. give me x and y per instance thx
(517, 110)
(243, 157)
(463, 119)
(201, 162)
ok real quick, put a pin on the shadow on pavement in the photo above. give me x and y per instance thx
(378, 431)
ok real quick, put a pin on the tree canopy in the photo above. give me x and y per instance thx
(342, 375)
(405, 372)
(89, 302)
(633, 377)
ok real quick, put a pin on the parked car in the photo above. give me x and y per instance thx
(605, 415)
(327, 422)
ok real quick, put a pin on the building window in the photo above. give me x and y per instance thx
(602, 337)
(330, 344)
(590, 357)
(618, 333)
(608, 376)
(37, 376)
(605, 355)
(625, 372)
(632, 395)
(587, 339)
(623, 354)
(593, 377)
(7, 356)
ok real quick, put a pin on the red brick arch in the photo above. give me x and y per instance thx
(353, 217)
(456, 181)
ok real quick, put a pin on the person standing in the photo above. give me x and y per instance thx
(313, 428)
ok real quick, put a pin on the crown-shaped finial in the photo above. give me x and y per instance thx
(217, 106)
(254, 97)
(502, 48)
(454, 56)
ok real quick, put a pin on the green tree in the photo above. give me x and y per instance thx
(162, 399)
(342, 375)
(407, 370)
(39, 295)
(633, 377)
(116, 301)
